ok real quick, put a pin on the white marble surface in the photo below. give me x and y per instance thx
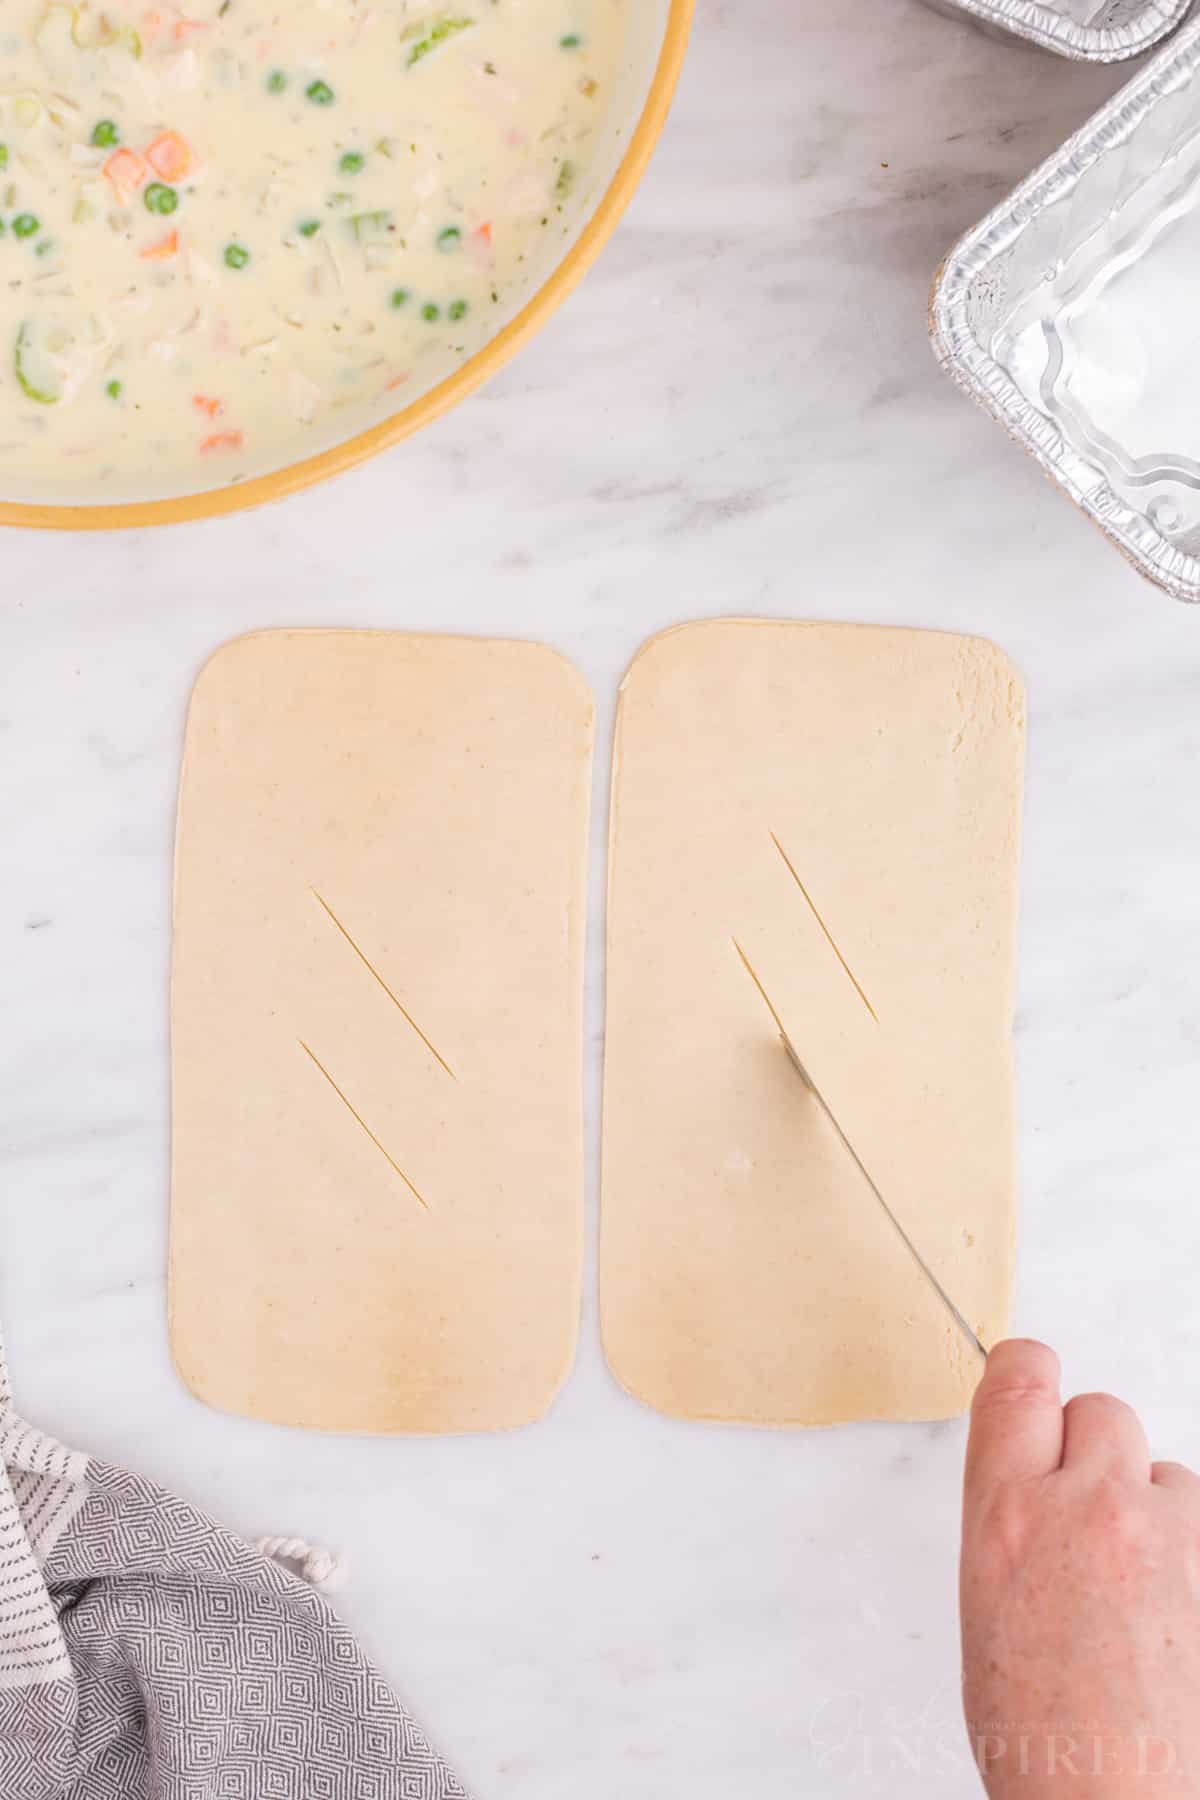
(738, 412)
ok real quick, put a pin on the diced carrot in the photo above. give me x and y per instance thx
(480, 249)
(165, 247)
(186, 28)
(206, 404)
(126, 171)
(223, 440)
(152, 24)
(169, 156)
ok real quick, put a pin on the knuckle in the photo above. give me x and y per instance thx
(1171, 1471)
(1100, 1403)
(1007, 1393)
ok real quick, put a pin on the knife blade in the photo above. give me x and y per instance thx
(797, 1063)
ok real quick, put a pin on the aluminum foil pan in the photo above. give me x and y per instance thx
(1091, 30)
(1071, 313)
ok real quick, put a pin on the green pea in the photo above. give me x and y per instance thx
(570, 40)
(449, 239)
(457, 309)
(113, 390)
(106, 133)
(159, 198)
(320, 93)
(276, 81)
(3, 156)
(352, 163)
(27, 225)
(430, 313)
(310, 227)
(400, 297)
(236, 256)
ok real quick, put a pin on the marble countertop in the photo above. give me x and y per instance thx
(738, 412)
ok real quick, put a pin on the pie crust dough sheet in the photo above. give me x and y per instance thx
(844, 801)
(377, 1031)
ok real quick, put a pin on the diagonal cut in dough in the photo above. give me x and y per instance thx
(844, 801)
(377, 1031)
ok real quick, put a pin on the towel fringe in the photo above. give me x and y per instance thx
(323, 1569)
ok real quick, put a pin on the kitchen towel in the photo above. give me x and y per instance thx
(146, 1653)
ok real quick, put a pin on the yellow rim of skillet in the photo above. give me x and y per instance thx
(482, 366)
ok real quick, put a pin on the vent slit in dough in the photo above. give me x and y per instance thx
(747, 1272)
(381, 871)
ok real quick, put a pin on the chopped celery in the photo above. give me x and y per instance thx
(38, 377)
(367, 225)
(82, 47)
(435, 35)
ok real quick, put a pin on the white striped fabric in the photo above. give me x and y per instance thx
(42, 1487)
(153, 1655)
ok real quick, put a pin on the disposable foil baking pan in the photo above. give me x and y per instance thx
(1073, 314)
(1091, 30)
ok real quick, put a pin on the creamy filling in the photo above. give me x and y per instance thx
(228, 230)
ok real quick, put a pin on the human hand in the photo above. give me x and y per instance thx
(1080, 1594)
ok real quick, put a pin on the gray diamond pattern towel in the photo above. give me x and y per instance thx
(148, 1654)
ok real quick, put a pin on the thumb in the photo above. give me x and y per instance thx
(1016, 1418)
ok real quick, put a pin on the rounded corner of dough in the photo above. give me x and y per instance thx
(1006, 668)
(647, 654)
(231, 650)
(539, 1410)
(565, 667)
(191, 1379)
(637, 1383)
(545, 1396)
